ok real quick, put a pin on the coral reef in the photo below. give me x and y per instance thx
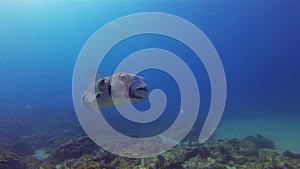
(22, 148)
(250, 152)
(82, 153)
(40, 154)
(75, 148)
(260, 141)
(8, 159)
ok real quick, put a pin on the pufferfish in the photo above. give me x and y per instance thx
(113, 90)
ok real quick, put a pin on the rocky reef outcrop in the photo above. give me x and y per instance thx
(8, 160)
(250, 152)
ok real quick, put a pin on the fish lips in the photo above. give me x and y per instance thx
(138, 92)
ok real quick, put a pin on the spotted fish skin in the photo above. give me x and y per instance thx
(115, 89)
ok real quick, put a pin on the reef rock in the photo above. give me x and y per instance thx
(291, 155)
(260, 141)
(251, 152)
(8, 160)
(74, 149)
(22, 148)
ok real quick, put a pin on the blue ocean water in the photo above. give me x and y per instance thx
(258, 44)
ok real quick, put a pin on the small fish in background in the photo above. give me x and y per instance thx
(113, 90)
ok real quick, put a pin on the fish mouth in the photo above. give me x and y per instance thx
(144, 88)
(141, 92)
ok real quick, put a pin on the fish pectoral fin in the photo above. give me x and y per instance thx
(99, 84)
(97, 94)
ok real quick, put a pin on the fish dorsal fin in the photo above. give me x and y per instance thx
(93, 76)
(92, 80)
(98, 76)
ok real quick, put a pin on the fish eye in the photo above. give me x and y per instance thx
(123, 77)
